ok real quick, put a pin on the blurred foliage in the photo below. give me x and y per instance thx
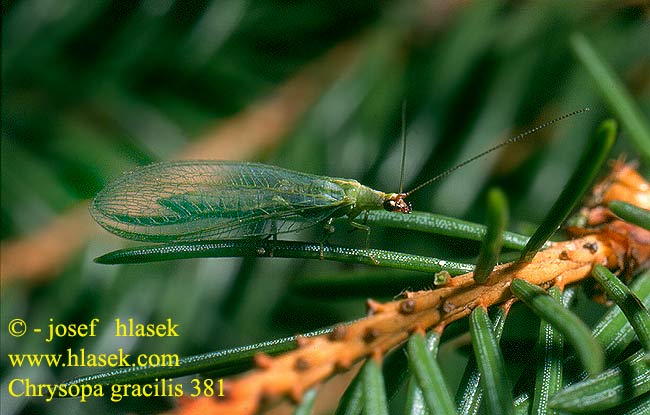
(92, 89)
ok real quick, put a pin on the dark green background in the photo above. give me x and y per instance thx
(92, 89)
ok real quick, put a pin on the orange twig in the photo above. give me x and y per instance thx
(47, 251)
(255, 130)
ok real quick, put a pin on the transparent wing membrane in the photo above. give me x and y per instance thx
(195, 200)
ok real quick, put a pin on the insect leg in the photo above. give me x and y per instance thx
(363, 223)
(365, 228)
(328, 229)
(274, 235)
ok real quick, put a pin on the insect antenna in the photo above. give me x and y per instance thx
(512, 140)
(401, 177)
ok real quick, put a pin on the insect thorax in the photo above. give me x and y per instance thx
(362, 197)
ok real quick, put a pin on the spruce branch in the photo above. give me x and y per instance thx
(606, 240)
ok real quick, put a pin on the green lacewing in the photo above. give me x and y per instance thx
(202, 199)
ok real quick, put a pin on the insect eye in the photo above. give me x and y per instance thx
(389, 205)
